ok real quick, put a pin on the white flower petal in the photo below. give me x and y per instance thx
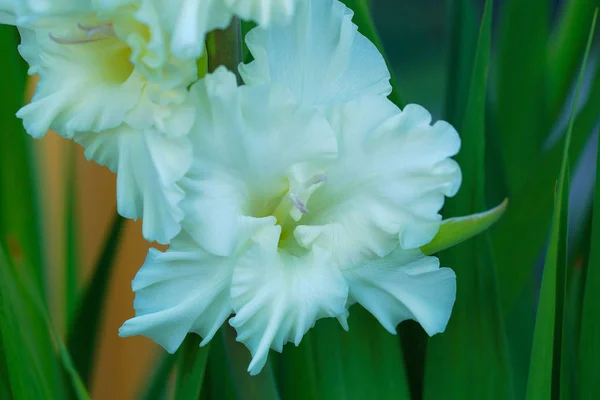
(404, 285)
(149, 38)
(55, 7)
(40, 12)
(389, 182)
(148, 165)
(248, 143)
(320, 57)
(278, 297)
(8, 12)
(184, 289)
(187, 22)
(263, 12)
(81, 88)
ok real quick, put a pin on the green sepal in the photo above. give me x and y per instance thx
(456, 230)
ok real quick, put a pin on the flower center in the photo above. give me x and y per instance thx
(293, 206)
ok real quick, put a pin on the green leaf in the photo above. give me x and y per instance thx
(521, 89)
(26, 287)
(463, 41)
(330, 363)
(327, 361)
(363, 19)
(545, 365)
(566, 49)
(520, 235)
(571, 330)
(156, 387)
(518, 238)
(300, 374)
(542, 378)
(579, 249)
(471, 359)
(191, 368)
(19, 330)
(367, 343)
(218, 380)
(19, 213)
(247, 387)
(71, 242)
(83, 335)
(19, 216)
(589, 342)
(456, 230)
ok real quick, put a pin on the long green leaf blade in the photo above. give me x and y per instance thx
(19, 212)
(565, 50)
(470, 360)
(367, 343)
(219, 384)
(330, 362)
(519, 236)
(19, 218)
(589, 342)
(156, 385)
(247, 387)
(83, 335)
(463, 42)
(544, 380)
(521, 86)
(26, 374)
(191, 369)
(25, 286)
(541, 381)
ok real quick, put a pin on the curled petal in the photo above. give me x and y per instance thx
(404, 285)
(148, 165)
(388, 184)
(278, 297)
(319, 56)
(184, 289)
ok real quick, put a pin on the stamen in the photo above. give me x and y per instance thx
(74, 41)
(93, 33)
(299, 204)
(319, 178)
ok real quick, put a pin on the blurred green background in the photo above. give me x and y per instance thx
(526, 323)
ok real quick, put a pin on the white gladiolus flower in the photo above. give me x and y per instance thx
(117, 89)
(309, 191)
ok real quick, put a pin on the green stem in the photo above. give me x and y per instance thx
(224, 47)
